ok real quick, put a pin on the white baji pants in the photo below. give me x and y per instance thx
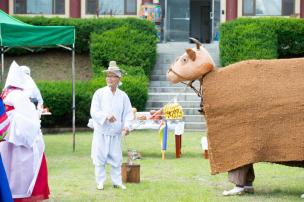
(106, 149)
(100, 175)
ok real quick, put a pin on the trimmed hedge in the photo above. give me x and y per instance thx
(261, 38)
(58, 97)
(125, 46)
(84, 27)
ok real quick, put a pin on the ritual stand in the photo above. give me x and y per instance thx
(164, 126)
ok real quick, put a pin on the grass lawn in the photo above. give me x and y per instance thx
(71, 174)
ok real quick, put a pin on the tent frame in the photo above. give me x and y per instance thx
(72, 49)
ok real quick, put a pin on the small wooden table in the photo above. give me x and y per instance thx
(176, 125)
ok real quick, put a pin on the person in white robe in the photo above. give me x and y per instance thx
(22, 150)
(31, 89)
(112, 115)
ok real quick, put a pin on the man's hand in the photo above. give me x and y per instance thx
(111, 118)
(125, 131)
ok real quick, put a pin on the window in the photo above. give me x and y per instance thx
(130, 7)
(111, 7)
(20, 6)
(289, 7)
(248, 7)
(268, 7)
(91, 6)
(39, 6)
(58, 7)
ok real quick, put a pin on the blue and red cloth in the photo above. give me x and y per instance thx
(4, 122)
(5, 192)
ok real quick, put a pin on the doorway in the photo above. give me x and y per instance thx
(200, 22)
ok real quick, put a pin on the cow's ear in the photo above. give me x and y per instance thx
(205, 68)
(191, 53)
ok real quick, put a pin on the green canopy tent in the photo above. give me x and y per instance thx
(15, 33)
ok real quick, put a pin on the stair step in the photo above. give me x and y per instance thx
(158, 71)
(166, 58)
(196, 125)
(161, 66)
(169, 97)
(169, 89)
(194, 118)
(158, 77)
(184, 104)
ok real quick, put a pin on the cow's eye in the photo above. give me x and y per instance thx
(184, 60)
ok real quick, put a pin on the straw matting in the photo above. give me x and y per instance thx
(255, 113)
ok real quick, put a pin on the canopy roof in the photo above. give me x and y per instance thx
(14, 33)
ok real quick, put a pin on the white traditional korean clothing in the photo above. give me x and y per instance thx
(22, 152)
(106, 144)
(32, 91)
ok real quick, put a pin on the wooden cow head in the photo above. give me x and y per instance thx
(193, 64)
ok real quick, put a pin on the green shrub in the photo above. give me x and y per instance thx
(137, 89)
(242, 40)
(290, 37)
(57, 97)
(261, 38)
(132, 70)
(124, 45)
(84, 27)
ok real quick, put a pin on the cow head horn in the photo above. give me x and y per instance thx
(198, 44)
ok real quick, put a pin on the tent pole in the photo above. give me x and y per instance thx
(2, 63)
(73, 87)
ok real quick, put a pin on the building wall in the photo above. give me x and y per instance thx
(4, 5)
(223, 10)
(84, 15)
(302, 9)
(297, 7)
(230, 9)
(75, 8)
(240, 8)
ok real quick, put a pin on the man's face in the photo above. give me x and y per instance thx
(112, 79)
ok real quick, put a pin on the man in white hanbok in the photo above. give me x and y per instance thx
(112, 115)
(22, 150)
